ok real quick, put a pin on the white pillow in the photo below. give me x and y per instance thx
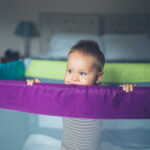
(61, 43)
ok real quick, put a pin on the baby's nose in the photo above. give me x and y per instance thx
(75, 78)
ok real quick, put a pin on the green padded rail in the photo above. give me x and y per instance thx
(113, 72)
(126, 72)
(46, 69)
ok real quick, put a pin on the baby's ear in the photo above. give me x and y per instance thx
(99, 77)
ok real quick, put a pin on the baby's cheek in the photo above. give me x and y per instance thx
(84, 82)
(88, 82)
(66, 79)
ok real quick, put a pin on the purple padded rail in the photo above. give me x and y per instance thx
(98, 102)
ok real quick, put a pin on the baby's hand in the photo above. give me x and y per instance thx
(127, 87)
(31, 82)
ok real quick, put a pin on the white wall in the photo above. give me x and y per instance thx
(13, 11)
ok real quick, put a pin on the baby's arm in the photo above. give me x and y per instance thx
(127, 87)
(31, 82)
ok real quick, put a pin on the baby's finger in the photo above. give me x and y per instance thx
(37, 80)
(125, 88)
(31, 82)
(28, 82)
(131, 87)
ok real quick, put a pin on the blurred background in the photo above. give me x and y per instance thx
(127, 18)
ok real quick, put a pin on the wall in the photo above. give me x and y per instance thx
(11, 12)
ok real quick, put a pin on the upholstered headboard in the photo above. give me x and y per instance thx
(121, 37)
(51, 24)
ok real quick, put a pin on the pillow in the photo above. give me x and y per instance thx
(62, 42)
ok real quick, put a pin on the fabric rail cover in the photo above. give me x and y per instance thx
(98, 102)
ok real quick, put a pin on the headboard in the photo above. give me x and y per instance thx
(51, 24)
(121, 37)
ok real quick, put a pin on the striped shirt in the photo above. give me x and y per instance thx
(81, 134)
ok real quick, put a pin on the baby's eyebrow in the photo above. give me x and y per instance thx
(83, 71)
(68, 67)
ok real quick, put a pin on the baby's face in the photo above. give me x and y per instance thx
(80, 70)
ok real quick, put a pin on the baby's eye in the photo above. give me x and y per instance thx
(83, 73)
(69, 71)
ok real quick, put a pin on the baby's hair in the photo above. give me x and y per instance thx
(91, 48)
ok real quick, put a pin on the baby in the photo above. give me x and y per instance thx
(84, 67)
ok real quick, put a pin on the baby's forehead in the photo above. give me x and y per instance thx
(80, 52)
(81, 62)
(86, 55)
(82, 55)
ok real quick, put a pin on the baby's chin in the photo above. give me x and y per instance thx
(69, 83)
(78, 83)
(72, 84)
